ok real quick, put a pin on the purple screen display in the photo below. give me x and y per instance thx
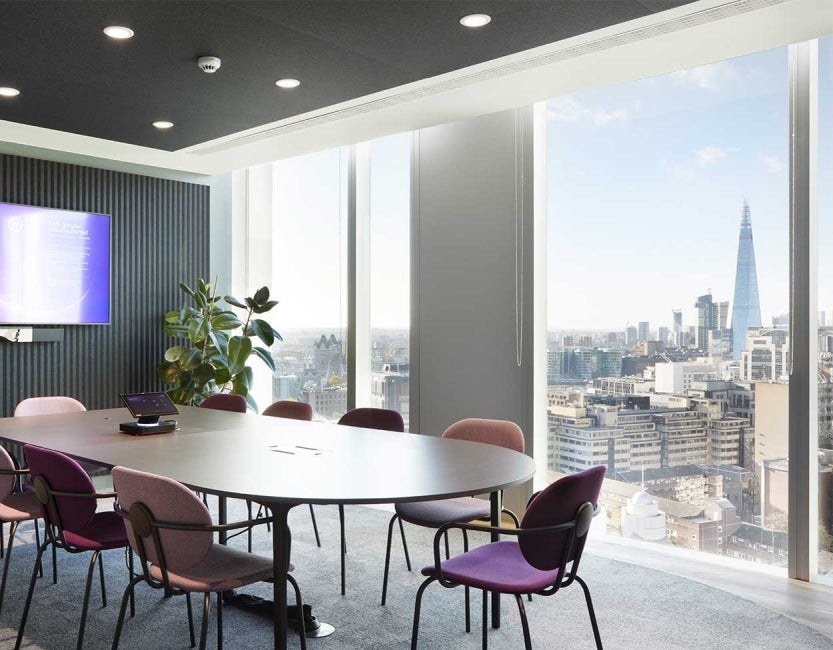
(54, 266)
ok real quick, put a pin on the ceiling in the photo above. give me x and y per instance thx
(74, 79)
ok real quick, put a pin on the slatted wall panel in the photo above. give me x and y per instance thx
(159, 233)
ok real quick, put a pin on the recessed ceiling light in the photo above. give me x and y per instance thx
(118, 32)
(287, 83)
(475, 20)
(5, 91)
(163, 124)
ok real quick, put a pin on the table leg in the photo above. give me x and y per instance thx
(496, 500)
(280, 564)
(222, 516)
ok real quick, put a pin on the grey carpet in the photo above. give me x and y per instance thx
(637, 608)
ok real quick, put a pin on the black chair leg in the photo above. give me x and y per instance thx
(467, 588)
(314, 526)
(128, 596)
(249, 511)
(299, 603)
(12, 531)
(592, 613)
(417, 607)
(37, 544)
(206, 609)
(54, 564)
(190, 618)
(404, 544)
(524, 622)
(512, 516)
(101, 576)
(220, 618)
(129, 552)
(29, 596)
(387, 559)
(485, 619)
(343, 550)
(86, 604)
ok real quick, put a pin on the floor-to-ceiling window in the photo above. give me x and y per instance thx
(390, 298)
(309, 270)
(668, 293)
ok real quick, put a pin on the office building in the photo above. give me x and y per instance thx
(644, 333)
(746, 306)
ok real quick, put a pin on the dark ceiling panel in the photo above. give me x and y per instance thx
(73, 78)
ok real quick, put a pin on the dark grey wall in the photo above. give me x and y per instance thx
(159, 237)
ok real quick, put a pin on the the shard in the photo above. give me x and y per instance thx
(746, 308)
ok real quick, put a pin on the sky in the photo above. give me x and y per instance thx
(645, 182)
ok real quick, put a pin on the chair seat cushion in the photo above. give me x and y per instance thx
(20, 506)
(222, 568)
(104, 531)
(499, 566)
(437, 513)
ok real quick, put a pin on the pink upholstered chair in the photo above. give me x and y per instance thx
(225, 402)
(293, 410)
(433, 514)
(366, 418)
(48, 406)
(15, 507)
(289, 409)
(171, 532)
(544, 559)
(68, 503)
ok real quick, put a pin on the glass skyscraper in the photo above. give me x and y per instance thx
(746, 308)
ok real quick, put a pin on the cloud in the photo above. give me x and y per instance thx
(709, 155)
(712, 77)
(678, 171)
(572, 111)
(773, 164)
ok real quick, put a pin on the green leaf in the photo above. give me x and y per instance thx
(225, 321)
(178, 331)
(251, 402)
(243, 382)
(172, 317)
(222, 376)
(251, 304)
(195, 329)
(239, 348)
(266, 356)
(186, 289)
(261, 295)
(234, 301)
(204, 374)
(173, 353)
(262, 330)
(204, 286)
(191, 360)
(202, 303)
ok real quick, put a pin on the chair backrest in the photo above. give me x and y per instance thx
(167, 501)
(48, 406)
(493, 432)
(62, 474)
(225, 402)
(288, 409)
(559, 503)
(370, 418)
(7, 481)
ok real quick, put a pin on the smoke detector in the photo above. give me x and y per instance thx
(209, 64)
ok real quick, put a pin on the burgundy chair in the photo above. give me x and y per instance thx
(171, 532)
(544, 559)
(225, 402)
(68, 503)
(367, 418)
(433, 514)
(15, 507)
(293, 410)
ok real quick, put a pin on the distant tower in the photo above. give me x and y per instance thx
(746, 308)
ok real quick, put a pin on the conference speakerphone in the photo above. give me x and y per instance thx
(148, 408)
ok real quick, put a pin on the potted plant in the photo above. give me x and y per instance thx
(219, 345)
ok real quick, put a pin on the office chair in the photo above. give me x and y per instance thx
(544, 559)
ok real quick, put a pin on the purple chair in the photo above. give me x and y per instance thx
(366, 418)
(433, 514)
(544, 558)
(225, 402)
(171, 532)
(15, 507)
(68, 503)
(292, 410)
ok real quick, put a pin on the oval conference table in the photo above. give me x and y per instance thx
(282, 463)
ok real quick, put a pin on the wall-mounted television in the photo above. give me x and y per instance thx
(54, 266)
